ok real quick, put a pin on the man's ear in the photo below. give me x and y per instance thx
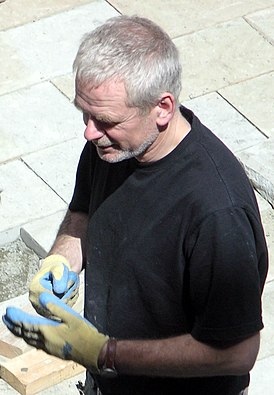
(165, 109)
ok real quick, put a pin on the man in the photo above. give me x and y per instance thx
(165, 223)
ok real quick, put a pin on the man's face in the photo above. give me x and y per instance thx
(118, 131)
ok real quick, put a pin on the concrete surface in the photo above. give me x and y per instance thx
(227, 55)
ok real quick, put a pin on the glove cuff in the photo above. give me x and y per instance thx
(54, 259)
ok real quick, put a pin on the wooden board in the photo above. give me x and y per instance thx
(26, 369)
(35, 371)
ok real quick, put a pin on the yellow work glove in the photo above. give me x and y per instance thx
(54, 277)
(71, 337)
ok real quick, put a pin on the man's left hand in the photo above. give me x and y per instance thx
(73, 337)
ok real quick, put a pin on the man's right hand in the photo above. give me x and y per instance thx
(54, 277)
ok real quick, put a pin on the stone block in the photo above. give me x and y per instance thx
(254, 98)
(268, 224)
(227, 123)
(25, 197)
(18, 12)
(262, 379)
(34, 118)
(267, 334)
(222, 55)
(39, 235)
(52, 48)
(182, 16)
(260, 158)
(57, 165)
(263, 22)
(65, 84)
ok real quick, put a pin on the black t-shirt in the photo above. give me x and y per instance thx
(174, 247)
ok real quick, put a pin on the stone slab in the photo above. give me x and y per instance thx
(57, 165)
(228, 124)
(268, 224)
(182, 16)
(65, 84)
(267, 334)
(39, 235)
(18, 12)
(34, 118)
(260, 158)
(52, 48)
(25, 197)
(262, 203)
(222, 55)
(263, 22)
(254, 98)
(262, 378)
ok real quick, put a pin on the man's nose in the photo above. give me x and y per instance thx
(91, 132)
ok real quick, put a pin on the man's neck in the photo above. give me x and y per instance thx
(168, 139)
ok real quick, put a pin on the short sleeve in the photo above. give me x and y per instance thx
(82, 190)
(225, 283)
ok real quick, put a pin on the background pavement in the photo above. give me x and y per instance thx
(226, 49)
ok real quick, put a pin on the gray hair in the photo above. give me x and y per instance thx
(133, 50)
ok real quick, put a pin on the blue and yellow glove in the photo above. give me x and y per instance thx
(54, 277)
(72, 337)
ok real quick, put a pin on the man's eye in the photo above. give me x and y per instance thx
(98, 123)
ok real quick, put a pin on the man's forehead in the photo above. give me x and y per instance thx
(110, 97)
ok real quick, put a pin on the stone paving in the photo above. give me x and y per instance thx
(227, 53)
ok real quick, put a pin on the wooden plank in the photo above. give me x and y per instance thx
(9, 350)
(35, 371)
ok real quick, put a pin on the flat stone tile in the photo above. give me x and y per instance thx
(65, 84)
(25, 197)
(18, 12)
(255, 100)
(262, 203)
(267, 334)
(179, 17)
(261, 159)
(263, 22)
(230, 126)
(52, 48)
(262, 377)
(35, 118)
(268, 224)
(215, 57)
(39, 235)
(57, 165)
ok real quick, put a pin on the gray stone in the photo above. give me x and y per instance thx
(39, 235)
(263, 22)
(260, 158)
(57, 165)
(222, 55)
(25, 197)
(185, 16)
(35, 118)
(65, 84)
(18, 12)
(227, 123)
(261, 381)
(52, 48)
(254, 98)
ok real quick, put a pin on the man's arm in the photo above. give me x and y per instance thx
(183, 356)
(180, 356)
(70, 241)
(58, 273)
